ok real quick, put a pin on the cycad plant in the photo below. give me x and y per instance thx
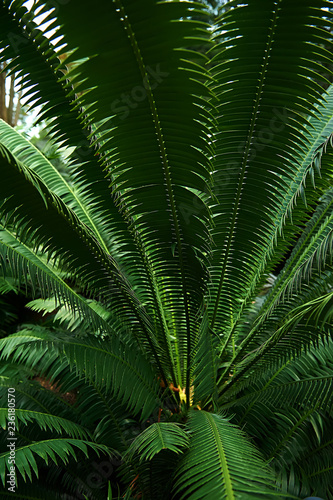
(199, 163)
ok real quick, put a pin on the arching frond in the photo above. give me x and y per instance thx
(32, 269)
(159, 436)
(198, 162)
(221, 463)
(107, 363)
(45, 422)
(262, 130)
(53, 449)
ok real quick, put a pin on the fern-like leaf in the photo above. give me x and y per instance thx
(221, 463)
(159, 436)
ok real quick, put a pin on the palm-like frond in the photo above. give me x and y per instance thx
(113, 364)
(32, 270)
(312, 253)
(163, 194)
(28, 186)
(312, 168)
(218, 456)
(319, 308)
(45, 421)
(109, 364)
(159, 436)
(72, 318)
(84, 252)
(168, 226)
(261, 130)
(72, 129)
(65, 404)
(52, 449)
(311, 256)
(72, 195)
(206, 363)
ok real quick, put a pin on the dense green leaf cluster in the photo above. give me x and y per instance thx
(199, 168)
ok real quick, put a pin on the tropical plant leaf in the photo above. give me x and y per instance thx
(32, 269)
(312, 168)
(205, 372)
(53, 449)
(166, 199)
(159, 436)
(198, 161)
(261, 130)
(221, 463)
(55, 239)
(108, 363)
(45, 421)
(313, 252)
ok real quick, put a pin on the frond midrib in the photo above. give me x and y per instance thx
(222, 458)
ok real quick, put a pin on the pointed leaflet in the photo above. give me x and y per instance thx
(206, 364)
(36, 59)
(319, 310)
(309, 259)
(68, 191)
(31, 269)
(46, 221)
(45, 421)
(311, 255)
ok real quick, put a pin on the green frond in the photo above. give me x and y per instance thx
(317, 312)
(43, 384)
(313, 391)
(41, 74)
(44, 217)
(31, 268)
(45, 422)
(317, 470)
(199, 155)
(54, 450)
(299, 371)
(90, 409)
(221, 463)
(293, 337)
(311, 257)
(72, 318)
(8, 284)
(313, 252)
(261, 130)
(298, 443)
(159, 436)
(320, 310)
(165, 198)
(294, 418)
(312, 169)
(109, 364)
(35, 198)
(72, 195)
(112, 364)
